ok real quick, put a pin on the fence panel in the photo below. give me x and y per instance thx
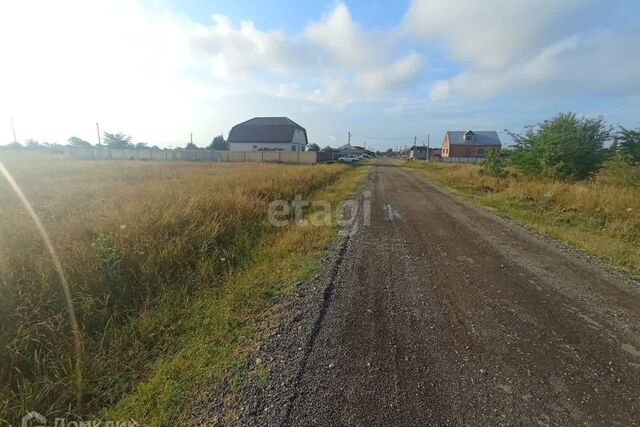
(463, 159)
(301, 157)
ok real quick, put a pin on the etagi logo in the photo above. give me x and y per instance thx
(34, 419)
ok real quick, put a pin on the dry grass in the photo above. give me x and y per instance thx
(597, 217)
(148, 249)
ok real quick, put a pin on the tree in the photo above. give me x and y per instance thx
(565, 146)
(313, 147)
(31, 143)
(629, 140)
(117, 140)
(74, 141)
(493, 164)
(191, 146)
(218, 143)
(142, 145)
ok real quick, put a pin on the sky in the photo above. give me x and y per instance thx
(386, 71)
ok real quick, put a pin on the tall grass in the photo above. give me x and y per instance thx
(595, 215)
(138, 242)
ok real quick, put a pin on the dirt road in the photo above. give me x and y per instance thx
(441, 313)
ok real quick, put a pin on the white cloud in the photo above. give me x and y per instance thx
(593, 64)
(539, 48)
(492, 33)
(240, 51)
(342, 38)
(340, 61)
(439, 91)
(395, 76)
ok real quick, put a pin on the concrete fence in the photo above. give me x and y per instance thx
(301, 157)
(463, 159)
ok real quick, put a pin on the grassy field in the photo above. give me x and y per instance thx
(169, 265)
(598, 217)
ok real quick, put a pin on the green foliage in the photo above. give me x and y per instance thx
(32, 143)
(565, 146)
(191, 146)
(74, 141)
(630, 142)
(493, 165)
(620, 170)
(313, 147)
(218, 143)
(142, 145)
(117, 140)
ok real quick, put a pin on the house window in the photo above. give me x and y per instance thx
(480, 151)
(468, 137)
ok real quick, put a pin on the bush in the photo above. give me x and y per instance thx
(493, 165)
(630, 143)
(620, 170)
(563, 147)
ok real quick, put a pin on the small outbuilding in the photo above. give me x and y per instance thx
(268, 134)
(470, 144)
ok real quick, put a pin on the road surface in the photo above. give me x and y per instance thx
(445, 314)
(441, 313)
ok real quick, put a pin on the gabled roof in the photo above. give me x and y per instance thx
(265, 129)
(456, 137)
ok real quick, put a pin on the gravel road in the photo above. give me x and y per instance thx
(440, 313)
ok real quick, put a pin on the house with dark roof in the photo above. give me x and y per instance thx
(268, 134)
(470, 144)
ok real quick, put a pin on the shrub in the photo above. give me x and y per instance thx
(565, 146)
(630, 143)
(620, 170)
(493, 165)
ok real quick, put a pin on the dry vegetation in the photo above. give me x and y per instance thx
(598, 215)
(161, 258)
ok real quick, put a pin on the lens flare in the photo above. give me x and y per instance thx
(77, 340)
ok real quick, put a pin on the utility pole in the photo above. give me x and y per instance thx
(98, 130)
(428, 146)
(13, 128)
(191, 138)
(349, 140)
(415, 140)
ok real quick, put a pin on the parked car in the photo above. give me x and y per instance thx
(349, 158)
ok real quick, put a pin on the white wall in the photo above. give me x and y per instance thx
(254, 146)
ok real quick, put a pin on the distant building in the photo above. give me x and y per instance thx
(268, 134)
(421, 152)
(470, 144)
(351, 149)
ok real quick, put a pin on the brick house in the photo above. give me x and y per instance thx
(470, 144)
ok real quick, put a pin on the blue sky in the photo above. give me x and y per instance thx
(387, 71)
